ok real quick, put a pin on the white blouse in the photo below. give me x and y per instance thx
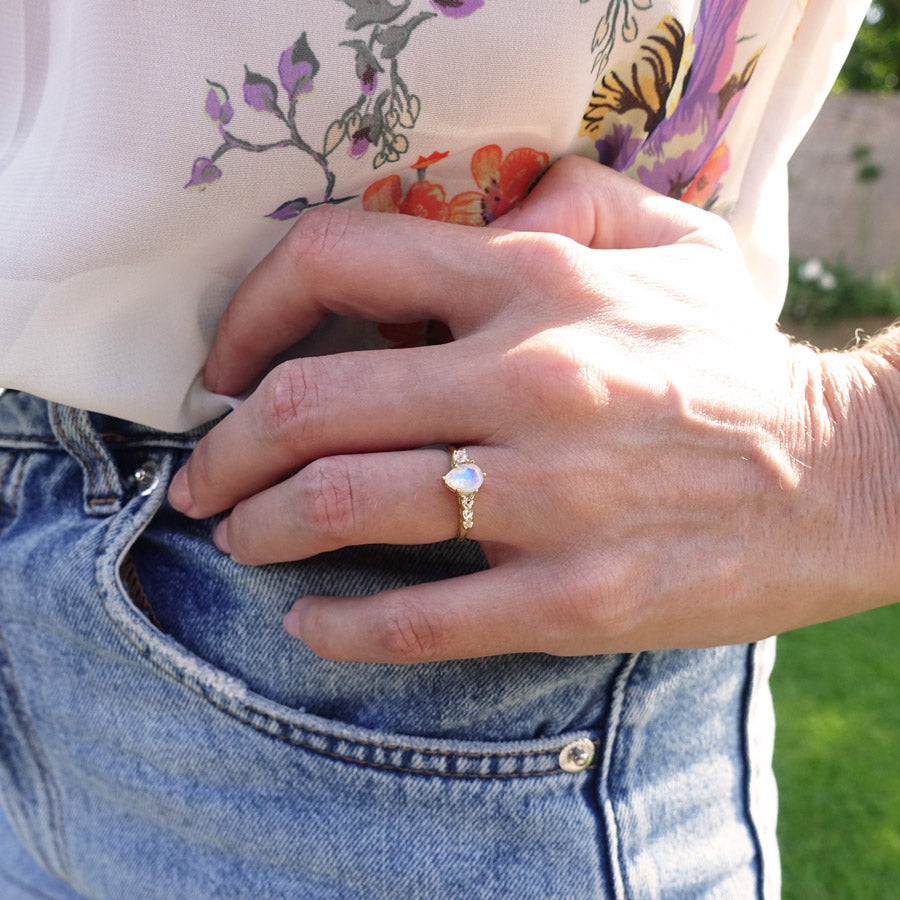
(152, 153)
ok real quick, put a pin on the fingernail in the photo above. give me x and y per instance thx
(220, 537)
(180, 492)
(291, 623)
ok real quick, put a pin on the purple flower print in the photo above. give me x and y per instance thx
(379, 111)
(366, 133)
(618, 148)
(289, 210)
(204, 172)
(297, 68)
(259, 92)
(218, 106)
(367, 66)
(360, 142)
(368, 81)
(457, 9)
(709, 101)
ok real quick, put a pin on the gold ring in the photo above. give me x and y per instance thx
(464, 479)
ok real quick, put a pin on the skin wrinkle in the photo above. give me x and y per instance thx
(879, 360)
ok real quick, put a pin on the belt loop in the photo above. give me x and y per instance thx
(103, 492)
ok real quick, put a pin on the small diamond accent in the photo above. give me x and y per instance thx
(461, 456)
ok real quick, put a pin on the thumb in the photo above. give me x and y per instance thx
(601, 208)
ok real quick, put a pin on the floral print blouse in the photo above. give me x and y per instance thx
(151, 154)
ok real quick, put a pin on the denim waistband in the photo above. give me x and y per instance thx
(31, 423)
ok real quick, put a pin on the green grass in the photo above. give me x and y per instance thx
(837, 758)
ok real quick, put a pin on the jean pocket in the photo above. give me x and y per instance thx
(211, 595)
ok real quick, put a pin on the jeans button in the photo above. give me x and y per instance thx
(146, 477)
(577, 756)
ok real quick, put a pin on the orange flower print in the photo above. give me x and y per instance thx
(502, 181)
(701, 191)
(423, 199)
(423, 162)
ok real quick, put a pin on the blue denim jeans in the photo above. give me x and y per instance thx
(161, 736)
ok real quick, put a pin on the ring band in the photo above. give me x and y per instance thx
(464, 479)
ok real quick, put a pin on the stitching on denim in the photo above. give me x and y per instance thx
(251, 709)
(339, 756)
(287, 723)
(73, 449)
(54, 798)
(83, 455)
(611, 737)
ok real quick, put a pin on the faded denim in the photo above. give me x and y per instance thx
(161, 736)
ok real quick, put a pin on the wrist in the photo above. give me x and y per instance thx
(854, 466)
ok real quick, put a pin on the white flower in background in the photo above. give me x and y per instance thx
(875, 14)
(811, 270)
(827, 281)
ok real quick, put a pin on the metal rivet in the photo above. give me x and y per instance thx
(577, 756)
(146, 477)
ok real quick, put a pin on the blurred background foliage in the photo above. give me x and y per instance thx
(821, 292)
(874, 61)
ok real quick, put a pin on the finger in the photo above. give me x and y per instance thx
(348, 403)
(384, 268)
(376, 498)
(604, 209)
(459, 618)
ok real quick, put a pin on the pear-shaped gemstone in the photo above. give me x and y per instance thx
(464, 479)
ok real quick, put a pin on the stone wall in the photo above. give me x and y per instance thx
(845, 184)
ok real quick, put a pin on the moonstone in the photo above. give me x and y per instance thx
(464, 479)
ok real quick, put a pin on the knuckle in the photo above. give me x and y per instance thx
(291, 398)
(610, 597)
(408, 633)
(555, 375)
(551, 262)
(319, 233)
(332, 504)
(587, 605)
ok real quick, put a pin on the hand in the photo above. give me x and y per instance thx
(663, 467)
